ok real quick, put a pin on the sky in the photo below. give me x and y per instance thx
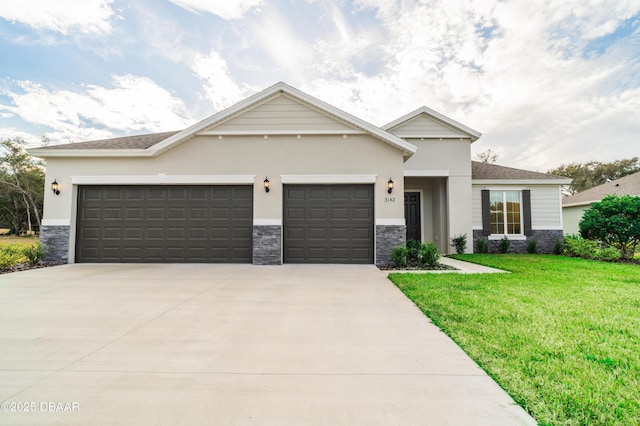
(546, 82)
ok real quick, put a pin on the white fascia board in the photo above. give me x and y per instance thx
(279, 132)
(431, 137)
(391, 222)
(520, 182)
(74, 153)
(426, 173)
(162, 179)
(323, 179)
(579, 204)
(474, 134)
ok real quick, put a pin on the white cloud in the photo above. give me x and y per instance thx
(63, 16)
(226, 9)
(219, 87)
(134, 104)
(13, 133)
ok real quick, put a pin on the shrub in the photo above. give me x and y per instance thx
(460, 243)
(413, 247)
(615, 220)
(429, 254)
(504, 245)
(34, 253)
(532, 246)
(8, 260)
(609, 254)
(558, 247)
(576, 246)
(482, 245)
(399, 256)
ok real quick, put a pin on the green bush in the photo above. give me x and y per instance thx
(460, 243)
(413, 249)
(8, 260)
(429, 255)
(615, 220)
(34, 253)
(399, 256)
(504, 245)
(558, 247)
(532, 246)
(576, 246)
(482, 245)
(609, 254)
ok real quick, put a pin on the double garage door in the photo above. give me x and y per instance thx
(164, 224)
(321, 224)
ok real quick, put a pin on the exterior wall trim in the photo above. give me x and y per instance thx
(328, 179)
(56, 222)
(426, 173)
(390, 222)
(163, 179)
(267, 222)
(279, 132)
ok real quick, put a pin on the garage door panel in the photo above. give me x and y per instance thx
(328, 223)
(164, 224)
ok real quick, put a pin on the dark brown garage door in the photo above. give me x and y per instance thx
(164, 224)
(328, 224)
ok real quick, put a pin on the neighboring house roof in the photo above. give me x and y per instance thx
(434, 115)
(102, 148)
(628, 185)
(485, 173)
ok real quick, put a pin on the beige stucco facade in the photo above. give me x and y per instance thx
(290, 138)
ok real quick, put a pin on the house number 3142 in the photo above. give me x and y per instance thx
(390, 199)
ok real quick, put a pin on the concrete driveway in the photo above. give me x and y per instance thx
(232, 345)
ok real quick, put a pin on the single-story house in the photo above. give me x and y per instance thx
(573, 207)
(282, 177)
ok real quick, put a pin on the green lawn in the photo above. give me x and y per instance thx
(560, 335)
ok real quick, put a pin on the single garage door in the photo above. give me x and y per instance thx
(328, 224)
(164, 224)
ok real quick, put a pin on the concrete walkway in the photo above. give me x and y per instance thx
(231, 345)
(461, 268)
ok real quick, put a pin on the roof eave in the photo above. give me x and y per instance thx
(87, 152)
(520, 181)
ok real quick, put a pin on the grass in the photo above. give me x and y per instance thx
(11, 239)
(560, 335)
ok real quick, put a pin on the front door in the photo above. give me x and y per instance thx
(412, 215)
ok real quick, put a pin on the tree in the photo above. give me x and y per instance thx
(488, 156)
(21, 187)
(594, 173)
(615, 220)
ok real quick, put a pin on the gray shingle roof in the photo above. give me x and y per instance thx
(628, 185)
(127, 142)
(493, 171)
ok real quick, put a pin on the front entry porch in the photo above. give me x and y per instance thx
(426, 210)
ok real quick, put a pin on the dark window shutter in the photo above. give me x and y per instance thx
(486, 213)
(526, 211)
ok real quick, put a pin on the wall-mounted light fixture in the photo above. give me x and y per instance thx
(55, 187)
(266, 185)
(390, 186)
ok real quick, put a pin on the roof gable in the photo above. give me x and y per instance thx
(334, 120)
(427, 123)
(281, 113)
(627, 185)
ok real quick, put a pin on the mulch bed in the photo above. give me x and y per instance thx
(438, 267)
(26, 267)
